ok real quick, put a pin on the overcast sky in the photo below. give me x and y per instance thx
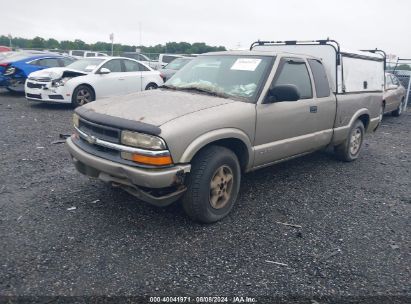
(356, 24)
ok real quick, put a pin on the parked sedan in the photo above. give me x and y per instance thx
(172, 68)
(91, 78)
(15, 68)
(394, 96)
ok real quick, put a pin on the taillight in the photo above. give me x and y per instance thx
(163, 76)
(3, 64)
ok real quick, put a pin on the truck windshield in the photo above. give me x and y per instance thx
(230, 76)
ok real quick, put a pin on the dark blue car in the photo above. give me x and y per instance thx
(15, 68)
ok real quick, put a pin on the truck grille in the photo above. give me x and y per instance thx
(100, 131)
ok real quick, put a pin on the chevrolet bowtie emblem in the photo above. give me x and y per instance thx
(91, 139)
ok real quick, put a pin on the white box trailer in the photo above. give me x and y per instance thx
(349, 71)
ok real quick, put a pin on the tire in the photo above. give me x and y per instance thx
(204, 202)
(350, 149)
(82, 94)
(151, 86)
(398, 111)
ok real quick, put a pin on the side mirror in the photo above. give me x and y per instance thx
(392, 87)
(104, 71)
(283, 92)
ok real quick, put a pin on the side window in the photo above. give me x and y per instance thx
(77, 53)
(322, 86)
(49, 62)
(142, 67)
(113, 65)
(395, 80)
(131, 66)
(296, 73)
(90, 55)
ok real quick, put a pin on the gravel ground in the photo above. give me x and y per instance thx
(354, 238)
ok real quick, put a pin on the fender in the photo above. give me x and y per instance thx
(341, 133)
(212, 136)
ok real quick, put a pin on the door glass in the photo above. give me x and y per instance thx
(49, 62)
(322, 86)
(131, 66)
(113, 65)
(296, 73)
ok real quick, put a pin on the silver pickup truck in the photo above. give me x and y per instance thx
(222, 115)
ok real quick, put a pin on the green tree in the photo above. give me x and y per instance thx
(38, 43)
(52, 44)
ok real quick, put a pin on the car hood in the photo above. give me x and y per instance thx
(56, 73)
(155, 107)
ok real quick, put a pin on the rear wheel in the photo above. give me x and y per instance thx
(399, 110)
(82, 94)
(213, 185)
(151, 86)
(350, 149)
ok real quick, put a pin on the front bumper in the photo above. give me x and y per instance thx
(46, 94)
(132, 179)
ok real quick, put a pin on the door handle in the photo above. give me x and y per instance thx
(313, 109)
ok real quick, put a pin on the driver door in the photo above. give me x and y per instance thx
(289, 128)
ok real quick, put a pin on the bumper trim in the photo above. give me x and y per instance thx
(151, 178)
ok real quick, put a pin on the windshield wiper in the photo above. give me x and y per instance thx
(209, 92)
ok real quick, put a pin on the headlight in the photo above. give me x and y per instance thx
(9, 71)
(60, 82)
(141, 140)
(76, 120)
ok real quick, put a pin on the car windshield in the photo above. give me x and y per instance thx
(238, 77)
(85, 65)
(177, 64)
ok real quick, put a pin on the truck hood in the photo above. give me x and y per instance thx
(155, 107)
(56, 73)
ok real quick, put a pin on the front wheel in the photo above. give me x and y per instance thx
(213, 185)
(151, 86)
(82, 94)
(398, 111)
(350, 149)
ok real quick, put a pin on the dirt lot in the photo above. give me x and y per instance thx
(354, 240)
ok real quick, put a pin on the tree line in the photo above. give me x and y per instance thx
(77, 44)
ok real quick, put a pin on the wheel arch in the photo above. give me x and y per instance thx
(233, 139)
(87, 85)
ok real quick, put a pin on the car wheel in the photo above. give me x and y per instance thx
(151, 86)
(213, 185)
(82, 94)
(350, 149)
(398, 111)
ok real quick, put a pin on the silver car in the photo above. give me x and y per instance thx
(394, 96)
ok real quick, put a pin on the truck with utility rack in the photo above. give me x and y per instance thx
(228, 113)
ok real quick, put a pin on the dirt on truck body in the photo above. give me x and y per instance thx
(227, 113)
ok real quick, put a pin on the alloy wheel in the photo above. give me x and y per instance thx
(221, 186)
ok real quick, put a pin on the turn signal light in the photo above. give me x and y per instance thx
(148, 160)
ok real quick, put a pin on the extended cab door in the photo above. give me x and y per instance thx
(289, 128)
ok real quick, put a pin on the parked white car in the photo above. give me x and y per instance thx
(89, 79)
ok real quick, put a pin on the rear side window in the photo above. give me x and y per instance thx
(131, 66)
(322, 86)
(90, 55)
(49, 62)
(295, 72)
